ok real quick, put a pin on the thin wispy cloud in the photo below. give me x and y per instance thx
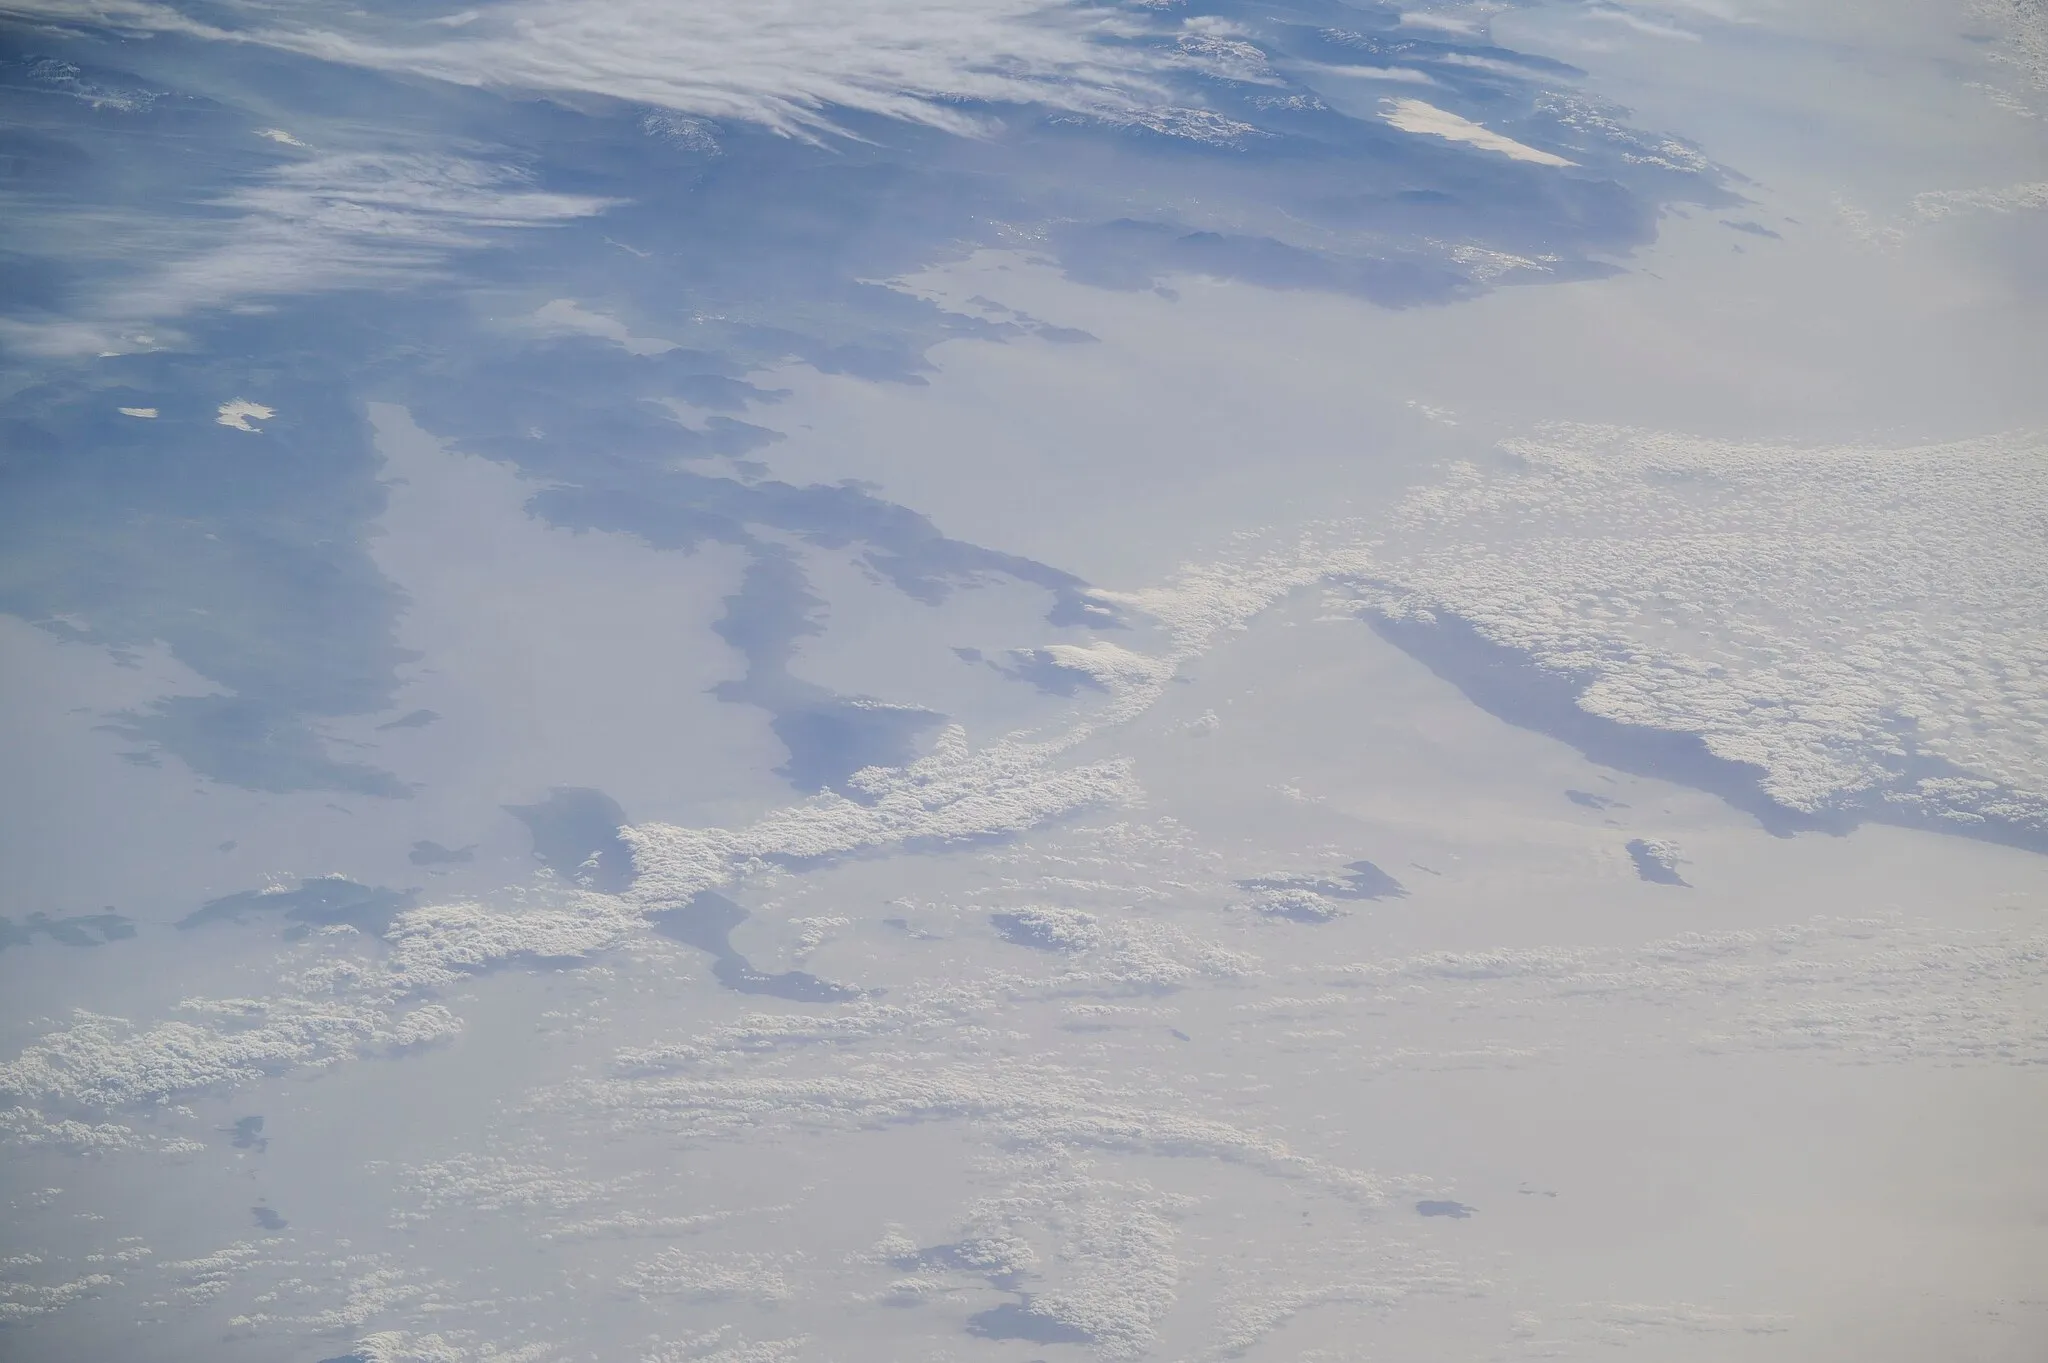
(370, 219)
(782, 64)
(355, 220)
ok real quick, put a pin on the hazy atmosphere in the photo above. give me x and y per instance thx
(1023, 681)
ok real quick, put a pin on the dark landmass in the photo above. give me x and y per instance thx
(706, 923)
(575, 834)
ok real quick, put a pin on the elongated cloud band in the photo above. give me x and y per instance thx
(329, 222)
(778, 63)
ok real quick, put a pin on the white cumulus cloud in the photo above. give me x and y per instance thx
(1852, 620)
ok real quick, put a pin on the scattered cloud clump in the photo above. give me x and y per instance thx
(240, 414)
(1865, 626)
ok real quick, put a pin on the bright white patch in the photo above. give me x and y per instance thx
(1116, 670)
(239, 412)
(1856, 622)
(1402, 75)
(954, 793)
(280, 135)
(1446, 23)
(1414, 116)
(1506, 68)
(146, 413)
(110, 1062)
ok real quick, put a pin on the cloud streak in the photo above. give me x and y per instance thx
(782, 64)
(352, 220)
(1414, 116)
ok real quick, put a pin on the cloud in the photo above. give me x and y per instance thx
(323, 223)
(1049, 1107)
(1862, 624)
(1414, 116)
(710, 1277)
(2024, 26)
(782, 64)
(956, 793)
(1938, 205)
(567, 317)
(1445, 23)
(239, 414)
(371, 218)
(1945, 203)
(21, 1302)
(23, 1126)
(106, 1062)
(493, 1183)
(1863, 990)
(344, 1009)
(351, 220)
(1630, 19)
(722, 1346)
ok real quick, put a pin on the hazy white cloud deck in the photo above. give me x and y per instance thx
(1021, 681)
